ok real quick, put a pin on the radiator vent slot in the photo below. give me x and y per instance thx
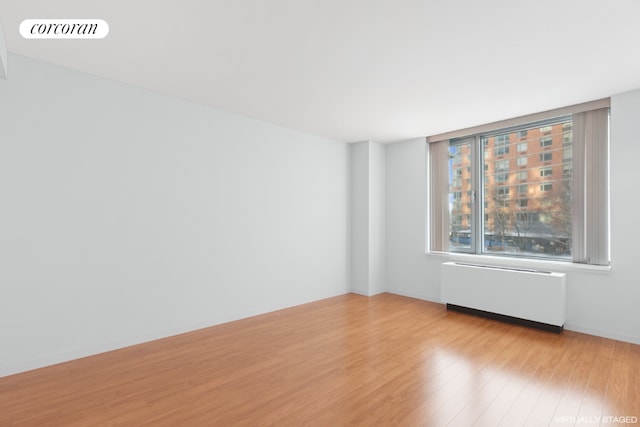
(528, 270)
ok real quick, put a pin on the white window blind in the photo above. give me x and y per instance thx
(439, 167)
(591, 187)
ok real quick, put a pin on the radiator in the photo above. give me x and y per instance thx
(528, 295)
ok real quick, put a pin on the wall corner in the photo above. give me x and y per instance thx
(3, 55)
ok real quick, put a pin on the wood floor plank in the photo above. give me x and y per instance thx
(348, 360)
(517, 373)
(486, 402)
(545, 408)
(575, 394)
(533, 389)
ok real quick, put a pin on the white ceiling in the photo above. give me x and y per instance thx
(353, 70)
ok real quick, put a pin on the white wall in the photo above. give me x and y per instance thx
(600, 303)
(367, 218)
(127, 216)
(3, 55)
(377, 224)
(409, 272)
(360, 217)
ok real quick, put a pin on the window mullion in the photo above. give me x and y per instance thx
(477, 171)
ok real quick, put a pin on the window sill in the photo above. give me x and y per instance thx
(513, 262)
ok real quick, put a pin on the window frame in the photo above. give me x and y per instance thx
(503, 192)
(595, 110)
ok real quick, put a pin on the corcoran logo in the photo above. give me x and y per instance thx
(64, 29)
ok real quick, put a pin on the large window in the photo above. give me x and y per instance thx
(555, 204)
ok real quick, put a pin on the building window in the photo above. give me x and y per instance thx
(528, 217)
(546, 171)
(546, 157)
(539, 206)
(547, 141)
(502, 165)
(501, 144)
(502, 203)
(567, 154)
(502, 177)
(502, 191)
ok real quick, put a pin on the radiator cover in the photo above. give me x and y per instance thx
(517, 293)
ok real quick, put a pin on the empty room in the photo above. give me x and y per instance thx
(327, 213)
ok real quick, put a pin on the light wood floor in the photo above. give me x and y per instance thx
(349, 360)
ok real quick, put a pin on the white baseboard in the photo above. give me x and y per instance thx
(568, 326)
(54, 359)
(600, 333)
(429, 298)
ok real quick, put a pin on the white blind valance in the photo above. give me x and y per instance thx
(574, 109)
